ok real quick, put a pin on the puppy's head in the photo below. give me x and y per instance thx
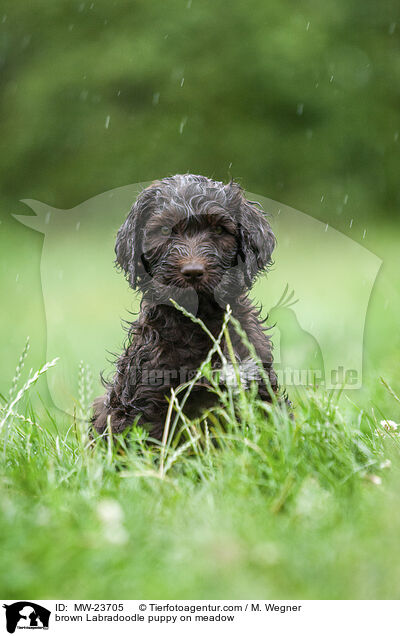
(189, 232)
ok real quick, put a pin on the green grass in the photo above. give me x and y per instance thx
(251, 504)
(276, 508)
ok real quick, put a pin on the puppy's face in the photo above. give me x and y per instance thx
(193, 250)
(190, 234)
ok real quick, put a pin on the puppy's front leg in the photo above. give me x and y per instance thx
(119, 418)
(135, 391)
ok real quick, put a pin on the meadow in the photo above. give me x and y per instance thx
(253, 505)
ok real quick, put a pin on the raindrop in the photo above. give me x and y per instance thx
(182, 81)
(182, 125)
(326, 227)
(392, 28)
(107, 121)
(17, 278)
(47, 219)
(351, 223)
(300, 108)
(26, 41)
(230, 165)
(70, 27)
(91, 6)
(77, 226)
(346, 198)
(81, 7)
(308, 26)
(156, 98)
(4, 18)
(322, 198)
(364, 234)
(331, 79)
(316, 84)
(189, 4)
(118, 93)
(396, 135)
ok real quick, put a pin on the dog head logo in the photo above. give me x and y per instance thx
(26, 615)
(330, 277)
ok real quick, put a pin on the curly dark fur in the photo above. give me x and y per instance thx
(201, 243)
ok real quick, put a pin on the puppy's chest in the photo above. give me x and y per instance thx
(191, 345)
(188, 348)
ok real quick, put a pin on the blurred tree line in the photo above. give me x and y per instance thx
(299, 101)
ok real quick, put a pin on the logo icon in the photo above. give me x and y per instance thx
(26, 615)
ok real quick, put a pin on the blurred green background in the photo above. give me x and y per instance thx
(300, 102)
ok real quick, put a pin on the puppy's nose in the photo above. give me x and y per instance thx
(192, 271)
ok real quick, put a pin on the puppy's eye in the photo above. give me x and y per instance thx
(219, 229)
(165, 230)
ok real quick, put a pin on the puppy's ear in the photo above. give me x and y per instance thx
(257, 240)
(128, 246)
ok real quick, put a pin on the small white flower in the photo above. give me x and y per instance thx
(389, 425)
(111, 517)
(374, 479)
(386, 464)
(109, 512)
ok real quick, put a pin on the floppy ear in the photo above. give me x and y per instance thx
(257, 240)
(128, 246)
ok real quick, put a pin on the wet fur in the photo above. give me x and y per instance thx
(163, 341)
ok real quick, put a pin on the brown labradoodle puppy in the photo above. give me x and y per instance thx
(201, 243)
